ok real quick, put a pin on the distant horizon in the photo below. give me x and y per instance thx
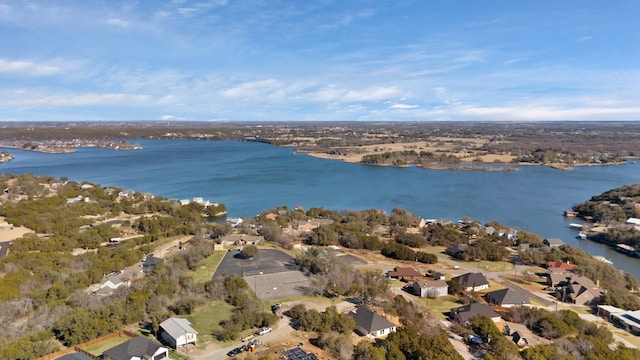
(249, 61)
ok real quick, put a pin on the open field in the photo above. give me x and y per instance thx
(206, 319)
(208, 266)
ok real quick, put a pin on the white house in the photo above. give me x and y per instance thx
(370, 324)
(634, 221)
(178, 332)
(430, 288)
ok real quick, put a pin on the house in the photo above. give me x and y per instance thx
(430, 288)
(472, 281)
(307, 225)
(370, 324)
(456, 251)
(76, 355)
(629, 320)
(521, 335)
(507, 298)
(114, 281)
(136, 349)
(559, 267)
(464, 314)
(580, 290)
(177, 332)
(438, 276)
(150, 262)
(633, 221)
(405, 274)
(553, 243)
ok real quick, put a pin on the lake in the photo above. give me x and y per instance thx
(250, 177)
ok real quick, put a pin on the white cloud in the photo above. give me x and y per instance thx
(88, 99)
(118, 22)
(170, 117)
(332, 93)
(253, 89)
(403, 106)
(27, 67)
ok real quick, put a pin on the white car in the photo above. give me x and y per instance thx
(264, 330)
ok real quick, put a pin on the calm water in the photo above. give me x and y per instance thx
(251, 177)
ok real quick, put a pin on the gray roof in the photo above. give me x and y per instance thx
(369, 320)
(507, 296)
(138, 346)
(152, 261)
(471, 279)
(177, 327)
(465, 313)
(75, 356)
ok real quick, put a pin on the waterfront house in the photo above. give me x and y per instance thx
(472, 281)
(633, 221)
(553, 243)
(559, 267)
(507, 298)
(370, 324)
(464, 314)
(137, 348)
(177, 332)
(430, 288)
(405, 274)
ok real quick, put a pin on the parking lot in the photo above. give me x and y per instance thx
(270, 273)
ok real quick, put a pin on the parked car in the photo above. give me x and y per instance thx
(276, 307)
(264, 330)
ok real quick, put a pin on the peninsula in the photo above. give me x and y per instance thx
(439, 145)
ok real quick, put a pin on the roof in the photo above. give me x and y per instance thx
(432, 283)
(465, 313)
(402, 272)
(369, 320)
(152, 261)
(471, 279)
(177, 327)
(560, 265)
(553, 242)
(75, 356)
(138, 346)
(507, 296)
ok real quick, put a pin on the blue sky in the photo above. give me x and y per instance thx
(369, 60)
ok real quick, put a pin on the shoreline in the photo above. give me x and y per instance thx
(462, 166)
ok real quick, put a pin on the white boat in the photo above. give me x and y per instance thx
(575, 226)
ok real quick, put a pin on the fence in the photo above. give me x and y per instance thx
(80, 347)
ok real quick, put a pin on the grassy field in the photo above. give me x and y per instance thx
(441, 305)
(208, 266)
(206, 319)
(99, 348)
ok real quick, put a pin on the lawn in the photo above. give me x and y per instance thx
(99, 348)
(440, 306)
(208, 267)
(206, 319)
